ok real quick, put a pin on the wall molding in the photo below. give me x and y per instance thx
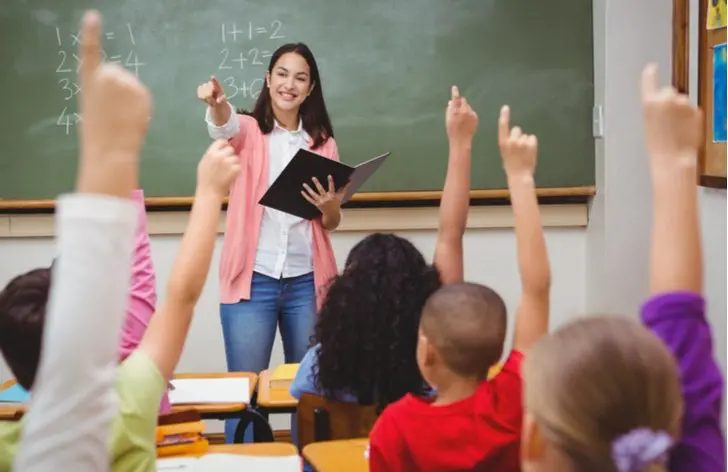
(354, 220)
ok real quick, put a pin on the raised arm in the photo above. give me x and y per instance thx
(461, 123)
(165, 337)
(676, 311)
(143, 294)
(68, 423)
(222, 120)
(518, 152)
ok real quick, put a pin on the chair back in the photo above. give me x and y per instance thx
(321, 419)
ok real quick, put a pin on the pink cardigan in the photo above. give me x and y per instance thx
(244, 215)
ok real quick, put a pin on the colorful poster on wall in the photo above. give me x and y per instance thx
(716, 14)
(719, 93)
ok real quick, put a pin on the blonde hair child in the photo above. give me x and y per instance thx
(606, 393)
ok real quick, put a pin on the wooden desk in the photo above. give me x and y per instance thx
(274, 399)
(253, 449)
(9, 410)
(223, 411)
(335, 456)
(215, 410)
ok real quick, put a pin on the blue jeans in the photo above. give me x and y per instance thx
(249, 327)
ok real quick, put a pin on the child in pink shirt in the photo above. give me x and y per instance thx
(143, 292)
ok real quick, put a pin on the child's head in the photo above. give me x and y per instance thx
(22, 317)
(599, 392)
(367, 326)
(462, 331)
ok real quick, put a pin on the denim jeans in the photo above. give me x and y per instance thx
(249, 327)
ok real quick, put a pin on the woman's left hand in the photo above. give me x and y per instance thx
(327, 201)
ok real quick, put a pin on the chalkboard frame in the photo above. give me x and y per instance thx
(367, 199)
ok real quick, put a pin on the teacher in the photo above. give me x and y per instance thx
(274, 265)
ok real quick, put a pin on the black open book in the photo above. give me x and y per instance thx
(285, 193)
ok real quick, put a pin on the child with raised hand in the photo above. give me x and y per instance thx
(676, 310)
(68, 424)
(141, 379)
(474, 424)
(604, 393)
(366, 333)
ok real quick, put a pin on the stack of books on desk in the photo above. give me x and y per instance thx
(282, 376)
(181, 433)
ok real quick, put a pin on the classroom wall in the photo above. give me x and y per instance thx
(627, 36)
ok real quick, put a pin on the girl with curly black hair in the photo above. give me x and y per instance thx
(366, 333)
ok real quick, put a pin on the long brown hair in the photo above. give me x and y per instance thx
(314, 115)
(597, 379)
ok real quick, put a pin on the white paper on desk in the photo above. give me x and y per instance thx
(197, 391)
(230, 463)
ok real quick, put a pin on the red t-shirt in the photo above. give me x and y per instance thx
(479, 433)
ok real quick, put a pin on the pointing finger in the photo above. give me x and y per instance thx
(454, 92)
(215, 84)
(504, 123)
(649, 80)
(90, 45)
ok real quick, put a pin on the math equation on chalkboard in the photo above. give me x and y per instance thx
(68, 66)
(246, 49)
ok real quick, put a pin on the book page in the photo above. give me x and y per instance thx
(196, 391)
(230, 463)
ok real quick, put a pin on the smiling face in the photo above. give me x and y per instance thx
(289, 82)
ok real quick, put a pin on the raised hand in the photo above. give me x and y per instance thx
(460, 119)
(518, 150)
(673, 126)
(217, 169)
(115, 108)
(212, 93)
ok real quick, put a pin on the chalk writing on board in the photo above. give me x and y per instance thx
(231, 31)
(235, 87)
(246, 50)
(120, 39)
(252, 57)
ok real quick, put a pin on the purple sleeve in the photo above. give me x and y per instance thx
(678, 318)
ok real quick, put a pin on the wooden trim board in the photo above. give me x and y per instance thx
(355, 219)
(712, 157)
(373, 198)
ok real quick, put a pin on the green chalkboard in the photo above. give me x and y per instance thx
(386, 66)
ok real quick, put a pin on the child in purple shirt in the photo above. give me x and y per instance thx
(607, 393)
(676, 311)
(678, 318)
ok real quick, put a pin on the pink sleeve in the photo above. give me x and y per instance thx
(334, 150)
(238, 141)
(143, 295)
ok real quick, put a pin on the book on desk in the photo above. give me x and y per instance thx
(282, 376)
(230, 463)
(210, 391)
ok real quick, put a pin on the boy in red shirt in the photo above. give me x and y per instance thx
(474, 424)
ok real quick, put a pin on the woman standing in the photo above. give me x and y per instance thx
(274, 265)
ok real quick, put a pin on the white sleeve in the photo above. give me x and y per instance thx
(226, 131)
(73, 400)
